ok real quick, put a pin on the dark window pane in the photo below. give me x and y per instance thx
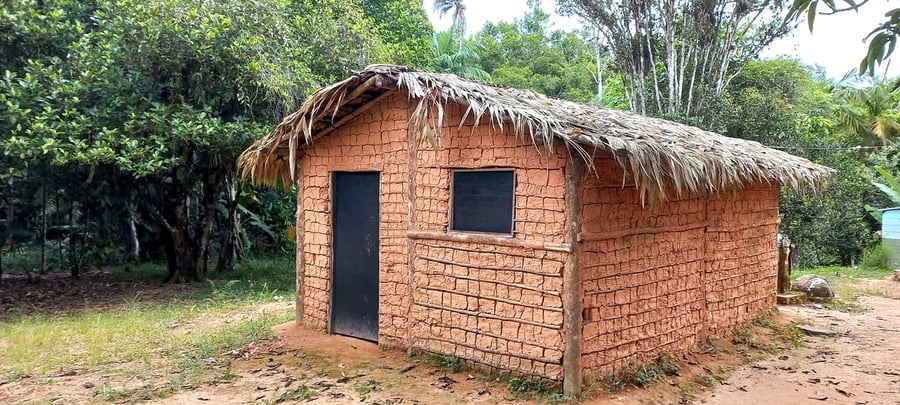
(483, 201)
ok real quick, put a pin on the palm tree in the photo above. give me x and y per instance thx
(872, 112)
(443, 7)
(459, 58)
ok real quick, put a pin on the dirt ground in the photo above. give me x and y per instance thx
(860, 365)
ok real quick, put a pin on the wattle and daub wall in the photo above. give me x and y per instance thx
(665, 277)
(655, 279)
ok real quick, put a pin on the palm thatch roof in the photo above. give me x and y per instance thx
(657, 153)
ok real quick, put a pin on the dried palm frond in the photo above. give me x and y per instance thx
(659, 154)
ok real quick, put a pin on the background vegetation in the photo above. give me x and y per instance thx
(120, 121)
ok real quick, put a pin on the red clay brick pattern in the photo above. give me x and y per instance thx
(742, 256)
(656, 278)
(374, 141)
(663, 277)
(494, 304)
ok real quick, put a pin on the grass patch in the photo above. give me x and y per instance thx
(197, 350)
(527, 386)
(642, 375)
(846, 283)
(143, 393)
(843, 272)
(182, 329)
(256, 279)
(706, 380)
(367, 387)
(787, 334)
(446, 362)
(301, 393)
(41, 345)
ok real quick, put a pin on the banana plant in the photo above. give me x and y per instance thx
(890, 187)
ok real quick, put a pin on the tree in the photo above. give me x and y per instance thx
(31, 34)
(162, 95)
(678, 56)
(871, 113)
(789, 106)
(770, 102)
(457, 11)
(526, 54)
(882, 39)
(459, 58)
(404, 29)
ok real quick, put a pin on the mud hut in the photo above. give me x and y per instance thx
(535, 235)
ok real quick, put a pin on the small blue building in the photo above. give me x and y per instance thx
(890, 232)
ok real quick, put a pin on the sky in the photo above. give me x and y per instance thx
(836, 43)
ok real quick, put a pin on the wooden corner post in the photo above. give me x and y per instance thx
(299, 231)
(572, 288)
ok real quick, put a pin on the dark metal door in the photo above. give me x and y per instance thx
(355, 251)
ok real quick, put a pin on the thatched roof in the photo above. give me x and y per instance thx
(658, 153)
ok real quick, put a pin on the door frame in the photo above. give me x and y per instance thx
(331, 212)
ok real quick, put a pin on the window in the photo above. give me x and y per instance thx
(482, 201)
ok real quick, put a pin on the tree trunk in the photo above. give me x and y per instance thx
(188, 227)
(175, 222)
(230, 235)
(73, 257)
(186, 254)
(211, 183)
(135, 241)
(43, 226)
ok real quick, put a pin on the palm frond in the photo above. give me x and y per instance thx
(659, 154)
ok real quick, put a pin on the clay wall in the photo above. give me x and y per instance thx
(494, 299)
(662, 277)
(376, 140)
(742, 256)
(656, 278)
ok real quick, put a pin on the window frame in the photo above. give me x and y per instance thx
(452, 208)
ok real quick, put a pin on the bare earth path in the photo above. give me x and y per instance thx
(859, 366)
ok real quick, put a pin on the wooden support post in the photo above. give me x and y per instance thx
(572, 288)
(300, 268)
(784, 265)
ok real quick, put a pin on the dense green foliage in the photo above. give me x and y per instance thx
(144, 106)
(449, 54)
(120, 121)
(781, 103)
(526, 54)
(404, 28)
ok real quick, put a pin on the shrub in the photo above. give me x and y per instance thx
(877, 257)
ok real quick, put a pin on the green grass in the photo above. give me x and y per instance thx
(366, 387)
(182, 329)
(41, 345)
(256, 279)
(842, 273)
(706, 380)
(642, 375)
(447, 362)
(524, 386)
(302, 393)
(845, 282)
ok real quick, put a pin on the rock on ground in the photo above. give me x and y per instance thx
(813, 286)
